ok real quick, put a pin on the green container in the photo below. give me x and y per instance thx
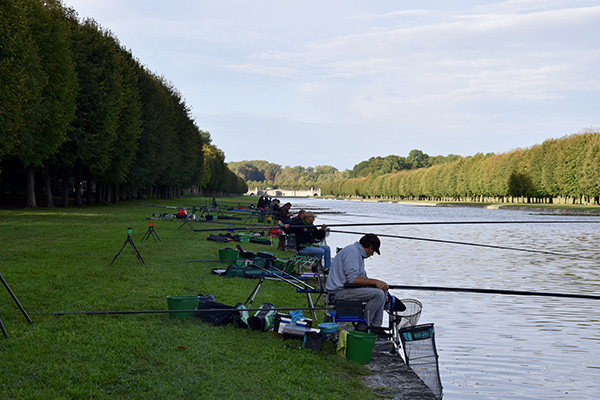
(244, 238)
(360, 346)
(228, 256)
(182, 303)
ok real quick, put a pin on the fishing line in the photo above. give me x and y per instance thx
(472, 244)
(417, 223)
(464, 223)
(496, 291)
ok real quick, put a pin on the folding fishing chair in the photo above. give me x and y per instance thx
(290, 241)
(302, 264)
(280, 275)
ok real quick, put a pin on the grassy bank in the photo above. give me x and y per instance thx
(58, 260)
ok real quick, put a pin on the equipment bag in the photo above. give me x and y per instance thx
(241, 319)
(263, 319)
(224, 314)
(314, 341)
(394, 304)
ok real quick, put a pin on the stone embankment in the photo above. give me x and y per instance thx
(391, 378)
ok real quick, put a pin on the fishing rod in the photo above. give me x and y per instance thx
(427, 223)
(241, 228)
(496, 291)
(235, 259)
(179, 311)
(465, 223)
(551, 253)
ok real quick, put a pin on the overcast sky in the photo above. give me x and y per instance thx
(337, 82)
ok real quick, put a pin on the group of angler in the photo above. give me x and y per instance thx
(308, 237)
(348, 267)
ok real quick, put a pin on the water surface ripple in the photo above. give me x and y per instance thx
(492, 346)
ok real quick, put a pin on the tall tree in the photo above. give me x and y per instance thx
(98, 102)
(22, 77)
(47, 129)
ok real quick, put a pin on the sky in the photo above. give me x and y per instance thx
(309, 83)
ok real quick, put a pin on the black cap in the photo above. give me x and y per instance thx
(371, 240)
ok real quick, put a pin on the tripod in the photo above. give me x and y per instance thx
(18, 304)
(135, 250)
(192, 216)
(151, 232)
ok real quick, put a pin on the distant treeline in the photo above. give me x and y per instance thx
(262, 174)
(559, 170)
(77, 108)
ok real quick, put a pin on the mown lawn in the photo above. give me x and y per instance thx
(58, 260)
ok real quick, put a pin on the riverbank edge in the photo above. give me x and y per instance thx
(391, 378)
(558, 209)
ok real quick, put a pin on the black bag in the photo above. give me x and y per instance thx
(217, 317)
(314, 341)
(241, 319)
(394, 304)
(263, 319)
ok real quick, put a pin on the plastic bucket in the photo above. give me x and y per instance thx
(182, 303)
(244, 238)
(228, 256)
(360, 346)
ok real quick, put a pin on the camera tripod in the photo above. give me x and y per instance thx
(18, 304)
(135, 250)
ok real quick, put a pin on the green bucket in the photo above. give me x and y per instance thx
(359, 346)
(244, 237)
(228, 256)
(182, 303)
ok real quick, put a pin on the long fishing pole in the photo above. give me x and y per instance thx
(421, 223)
(179, 311)
(474, 244)
(234, 259)
(465, 223)
(241, 228)
(496, 291)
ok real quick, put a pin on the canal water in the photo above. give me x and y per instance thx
(491, 346)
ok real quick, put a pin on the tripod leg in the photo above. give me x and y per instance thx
(3, 330)
(147, 234)
(15, 299)
(311, 306)
(137, 253)
(119, 252)
(254, 292)
(155, 236)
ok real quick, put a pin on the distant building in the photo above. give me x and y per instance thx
(283, 192)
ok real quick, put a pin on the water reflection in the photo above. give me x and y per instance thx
(492, 346)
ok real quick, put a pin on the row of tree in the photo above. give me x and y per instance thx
(262, 174)
(566, 169)
(259, 173)
(77, 107)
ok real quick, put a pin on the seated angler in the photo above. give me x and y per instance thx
(285, 217)
(349, 268)
(308, 236)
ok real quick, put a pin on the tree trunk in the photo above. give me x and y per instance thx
(30, 187)
(48, 183)
(77, 187)
(65, 188)
(88, 189)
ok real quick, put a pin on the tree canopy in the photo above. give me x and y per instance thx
(563, 169)
(79, 109)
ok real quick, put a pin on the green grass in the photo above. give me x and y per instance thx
(57, 260)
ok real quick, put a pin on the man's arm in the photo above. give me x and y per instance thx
(361, 280)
